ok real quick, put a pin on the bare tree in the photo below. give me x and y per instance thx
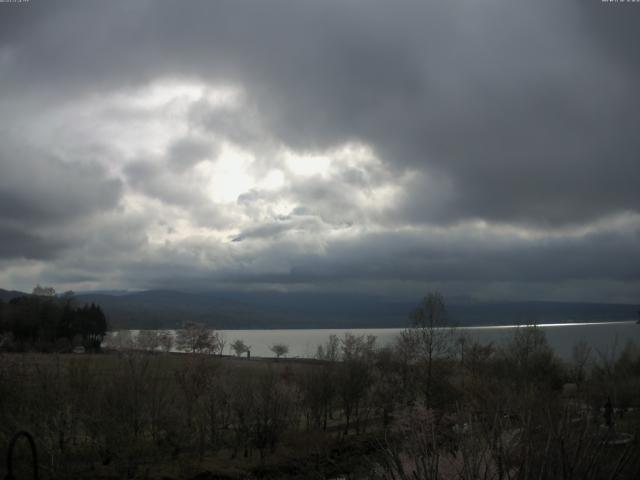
(330, 351)
(239, 347)
(530, 358)
(165, 339)
(192, 380)
(320, 386)
(430, 337)
(148, 340)
(41, 291)
(196, 338)
(222, 342)
(580, 356)
(387, 383)
(279, 349)
(355, 376)
(217, 406)
(272, 413)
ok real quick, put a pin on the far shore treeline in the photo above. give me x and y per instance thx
(46, 322)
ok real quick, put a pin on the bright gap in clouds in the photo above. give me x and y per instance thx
(173, 92)
(229, 175)
(163, 109)
(136, 129)
(351, 154)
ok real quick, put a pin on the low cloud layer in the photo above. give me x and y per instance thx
(481, 148)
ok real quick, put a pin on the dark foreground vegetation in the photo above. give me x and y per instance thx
(434, 405)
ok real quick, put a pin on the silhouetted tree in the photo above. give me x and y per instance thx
(40, 321)
(197, 338)
(429, 338)
(43, 291)
(239, 347)
(279, 349)
(355, 376)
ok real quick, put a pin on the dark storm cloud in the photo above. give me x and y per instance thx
(507, 101)
(243, 128)
(188, 151)
(40, 195)
(39, 188)
(151, 178)
(407, 263)
(18, 243)
(463, 255)
(521, 115)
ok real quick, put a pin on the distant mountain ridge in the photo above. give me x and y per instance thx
(6, 295)
(266, 310)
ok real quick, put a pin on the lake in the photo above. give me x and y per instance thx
(603, 337)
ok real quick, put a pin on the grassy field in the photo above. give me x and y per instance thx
(139, 415)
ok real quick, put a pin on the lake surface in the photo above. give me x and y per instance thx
(603, 337)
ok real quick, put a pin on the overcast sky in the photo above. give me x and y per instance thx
(484, 148)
